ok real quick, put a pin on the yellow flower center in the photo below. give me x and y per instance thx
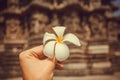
(59, 39)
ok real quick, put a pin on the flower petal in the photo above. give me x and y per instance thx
(61, 51)
(72, 38)
(48, 36)
(59, 30)
(49, 49)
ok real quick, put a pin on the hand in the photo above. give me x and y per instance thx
(35, 66)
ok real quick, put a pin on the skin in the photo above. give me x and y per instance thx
(35, 66)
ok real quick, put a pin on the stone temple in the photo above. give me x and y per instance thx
(24, 22)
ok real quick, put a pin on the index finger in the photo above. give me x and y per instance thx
(36, 52)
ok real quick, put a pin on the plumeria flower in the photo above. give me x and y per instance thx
(55, 44)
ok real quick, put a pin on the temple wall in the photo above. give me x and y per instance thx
(96, 27)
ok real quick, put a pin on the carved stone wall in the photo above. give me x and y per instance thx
(92, 21)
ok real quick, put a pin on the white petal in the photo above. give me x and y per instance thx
(61, 52)
(49, 49)
(48, 36)
(59, 30)
(72, 38)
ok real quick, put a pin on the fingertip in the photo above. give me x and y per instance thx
(54, 59)
(36, 51)
(59, 66)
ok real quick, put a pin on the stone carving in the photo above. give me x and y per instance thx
(54, 22)
(95, 3)
(113, 29)
(75, 25)
(86, 29)
(72, 22)
(13, 29)
(98, 27)
(38, 23)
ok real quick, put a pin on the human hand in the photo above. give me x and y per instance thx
(35, 66)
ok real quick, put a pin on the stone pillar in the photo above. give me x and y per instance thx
(14, 43)
(14, 39)
(113, 37)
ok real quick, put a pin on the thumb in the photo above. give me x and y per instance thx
(49, 65)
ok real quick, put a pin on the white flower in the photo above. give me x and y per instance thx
(54, 44)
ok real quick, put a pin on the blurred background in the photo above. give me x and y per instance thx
(95, 22)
